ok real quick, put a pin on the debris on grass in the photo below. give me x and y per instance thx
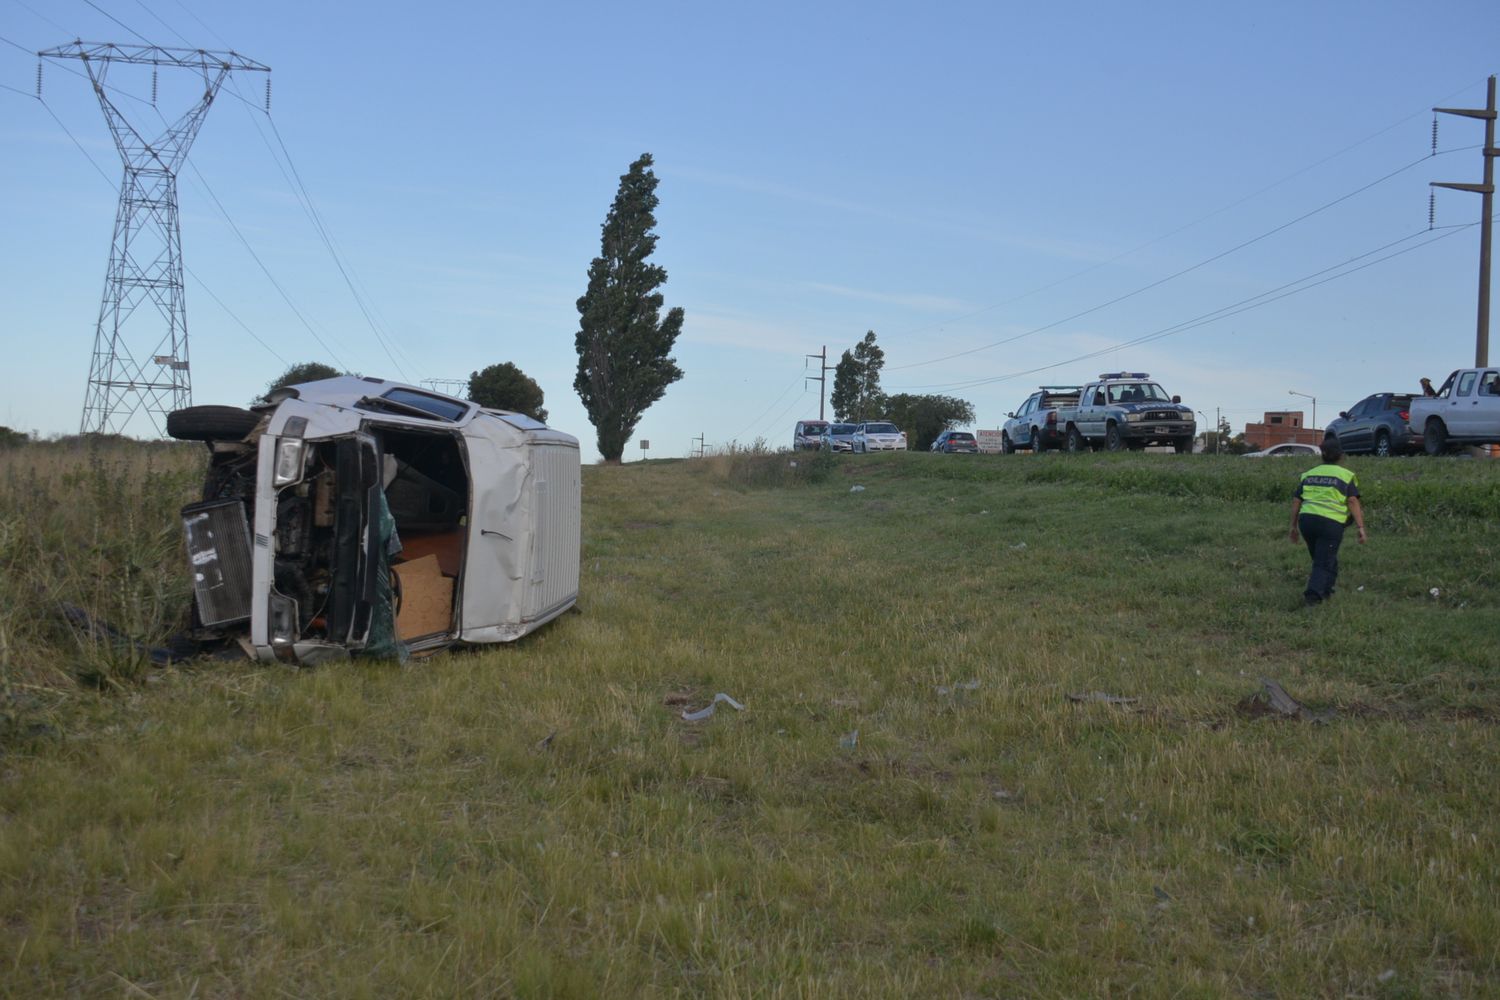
(1101, 697)
(849, 740)
(958, 688)
(707, 713)
(1019, 546)
(545, 743)
(856, 489)
(1272, 699)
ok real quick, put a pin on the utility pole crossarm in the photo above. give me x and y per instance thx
(1484, 113)
(155, 55)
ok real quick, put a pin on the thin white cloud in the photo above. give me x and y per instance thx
(705, 326)
(1068, 250)
(915, 300)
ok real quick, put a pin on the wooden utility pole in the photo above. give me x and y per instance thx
(1487, 193)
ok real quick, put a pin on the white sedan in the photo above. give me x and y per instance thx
(879, 435)
(1288, 450)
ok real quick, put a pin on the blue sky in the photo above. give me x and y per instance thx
(950, 175)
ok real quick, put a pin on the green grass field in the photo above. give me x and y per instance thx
(910, 805)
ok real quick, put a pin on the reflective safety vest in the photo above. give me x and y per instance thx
(1325, 491)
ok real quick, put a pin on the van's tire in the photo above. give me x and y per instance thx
(1383, 444)
(211, 423)
(1076, 443)
(1007, 447)
(1435, 436)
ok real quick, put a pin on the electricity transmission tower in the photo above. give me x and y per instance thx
(128, 375)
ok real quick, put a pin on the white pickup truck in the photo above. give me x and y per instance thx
(1466, 410)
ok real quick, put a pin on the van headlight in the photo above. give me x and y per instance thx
(289, 452)
(283, 618)
(1135, 418)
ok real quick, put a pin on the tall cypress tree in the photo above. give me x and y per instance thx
(624, 346)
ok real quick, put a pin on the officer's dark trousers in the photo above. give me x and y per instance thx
(1323, 536)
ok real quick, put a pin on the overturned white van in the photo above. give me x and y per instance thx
(357, 514)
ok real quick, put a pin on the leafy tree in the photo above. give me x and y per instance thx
(856, 392)
(506, 387)
(306, 371)
(1239, 445)
(13, 438)
(624, 346)
(923, 418)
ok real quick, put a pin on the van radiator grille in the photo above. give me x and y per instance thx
(218, 545)
(554, 567)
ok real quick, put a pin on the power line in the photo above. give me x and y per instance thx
(762, 413)
(1171, 277)
(1245, 305)
(17, 45)
(119, 22)
(304, 197)
(779, 418)
(164, 24)
(267, 271)
(40, 16)
(1186, 226)
(195, 17)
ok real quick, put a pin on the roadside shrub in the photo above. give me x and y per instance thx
(758, 467)
(89, 533)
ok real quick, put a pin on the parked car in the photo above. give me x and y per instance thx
(840, 437)
(879, 435)
(808, 434)
(1126, 410)
(1034, 425)
(1466, 410)
(355, 514)
(1289, 449)
(952, 442)
(1377, 424)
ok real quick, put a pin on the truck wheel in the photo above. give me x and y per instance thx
(1182, 447)
(1435, 436)
(1037, 446)
(1112, 439)
(1383, 444)
(211, 423)
(1007, 446)
(1076, 443)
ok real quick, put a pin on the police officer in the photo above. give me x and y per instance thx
(1327, 498)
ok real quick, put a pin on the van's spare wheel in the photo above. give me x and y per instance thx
(211, 423)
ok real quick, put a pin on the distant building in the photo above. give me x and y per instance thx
(1279, 427)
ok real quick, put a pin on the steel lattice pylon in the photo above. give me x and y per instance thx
(130, 375)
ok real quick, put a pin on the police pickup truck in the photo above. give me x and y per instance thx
(1466, 410)
(1126, 410)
